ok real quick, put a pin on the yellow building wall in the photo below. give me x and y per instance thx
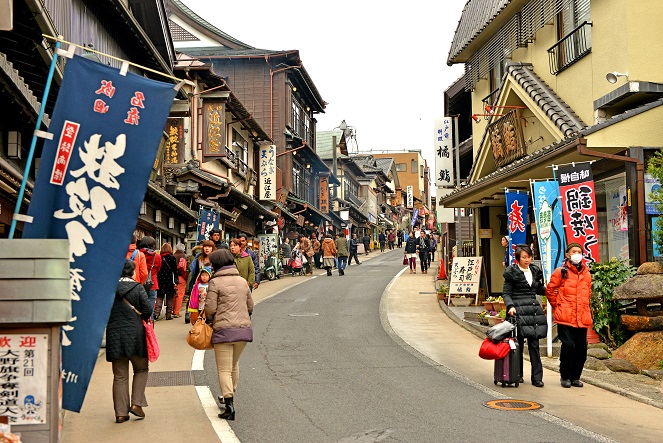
(407, 178)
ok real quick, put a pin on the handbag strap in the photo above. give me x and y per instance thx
(133, 308)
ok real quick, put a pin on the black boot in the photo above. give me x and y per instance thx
(341, 272)
(229, 413)
(329, 271)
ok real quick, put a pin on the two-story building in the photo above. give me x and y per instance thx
(578, 81)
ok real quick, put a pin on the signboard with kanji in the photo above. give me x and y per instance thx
(324, 194)
(410, 198)
(443, 147)
(465, 275)
(175, 142)
(214, 128)
(268, 172)
(23, 378)
(269, 245)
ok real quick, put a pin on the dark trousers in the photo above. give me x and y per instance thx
(534, 356)
(573, 354)
(382, 246)
(423, 258)
(391, 245)
(353, 254)
(317, 258)
(367, 248)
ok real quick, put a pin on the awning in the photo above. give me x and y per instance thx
(252, 205)
(309, 211)
(284, 211)
(171, 202)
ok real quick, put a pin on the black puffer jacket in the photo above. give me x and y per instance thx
(125, 333)
(411, 245)
(519, 294)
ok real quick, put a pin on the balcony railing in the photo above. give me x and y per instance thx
(570, 49)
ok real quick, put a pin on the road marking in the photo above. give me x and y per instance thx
(198, 362)
(221, 427)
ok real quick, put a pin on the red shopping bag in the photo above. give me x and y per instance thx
(490, 350)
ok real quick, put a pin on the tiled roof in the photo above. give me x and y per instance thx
(476, 16)
(554, 107)
(384, 163)
(204, 23)
(324, 143)
(229, 52)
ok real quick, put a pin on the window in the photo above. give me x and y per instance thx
(574, 34)
(421, 171)
(401, 167)
(240, 147)
(414, 167)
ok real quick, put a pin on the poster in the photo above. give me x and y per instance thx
(269, 245)
(576, 185)
(90, 185)
(465, 275)
(23, 378)
(267, 172)
(550, 229)
(617, 209)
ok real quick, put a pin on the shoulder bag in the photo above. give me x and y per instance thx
(200, 334)
(153, 350)
(148, 282)
(490, 350)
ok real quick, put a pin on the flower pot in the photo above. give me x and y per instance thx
(458, 301)
(483, 321)
(499, 306)
(488, 306)
(441, 295)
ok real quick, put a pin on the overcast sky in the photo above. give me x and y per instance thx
(380, 65)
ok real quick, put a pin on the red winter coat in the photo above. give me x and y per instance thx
(571, 303)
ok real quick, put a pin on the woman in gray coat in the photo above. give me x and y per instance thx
(229, 305)
(125, 342)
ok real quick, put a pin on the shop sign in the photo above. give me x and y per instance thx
(410, 198)
(576, 185)
(506, 139)
(465, 275)
(208, 220)
(516, 211)
(443, 147)
(175, 141)
(214, 128)
(24, 372)
(268, 246)
(324, 194)
(300, 220)
(268, 172)
(652, 186)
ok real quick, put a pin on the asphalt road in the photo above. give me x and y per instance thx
(322, 368)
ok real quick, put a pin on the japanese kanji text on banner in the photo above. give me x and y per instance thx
(465, 275)
(576, 184)
(268, 172)
(208, 220)
(516, 212)
(444, 165)
(548, 214)
(89, 188)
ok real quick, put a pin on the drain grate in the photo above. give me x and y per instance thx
(304, 314)
(427, 292)
(513, 405)
(170, 378)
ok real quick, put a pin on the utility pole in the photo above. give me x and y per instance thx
(334, 162)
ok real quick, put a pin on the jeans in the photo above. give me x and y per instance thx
(152, 298)
(342, 262)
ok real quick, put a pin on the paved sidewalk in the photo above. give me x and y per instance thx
(411, 312)
(175, 413)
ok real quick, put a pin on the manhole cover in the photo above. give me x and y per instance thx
(170, 378)
(305, 314)
(513, 405)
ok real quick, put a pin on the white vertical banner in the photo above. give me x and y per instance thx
(444, 215)
(410, 198)
(443, 146)
(268, 172)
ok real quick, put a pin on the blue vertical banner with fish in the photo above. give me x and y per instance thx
(516, 212)
(91, 182)
(550, 228)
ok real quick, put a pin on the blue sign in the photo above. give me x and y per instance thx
(92, 178)
(516, 212)
(550, 229)
(415, 216)
(207, 220)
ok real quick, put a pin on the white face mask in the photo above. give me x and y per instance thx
(575, 258)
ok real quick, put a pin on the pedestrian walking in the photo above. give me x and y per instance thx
(411, 247)
(317, 253)
(424, 248)
(148, 247)
(307, 250)
(199, 294)
(382, 239)
(229, 305)
(215, 236)
(126, 343)
(354, 245)
(168, 279)
(134, 254)
(328, 249)
(286, 251)
(568, 293)
(400, 237)
(391, 239)
(243, 262)
(432, 249)
(254, 259)
(342, 252)
(522, 282)
(180, 288)
(366, 240)
(200, 260)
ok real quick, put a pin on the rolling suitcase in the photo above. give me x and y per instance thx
(507, 369)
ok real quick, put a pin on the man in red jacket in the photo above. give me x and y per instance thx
(568, 293)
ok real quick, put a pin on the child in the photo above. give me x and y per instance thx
(199, 293)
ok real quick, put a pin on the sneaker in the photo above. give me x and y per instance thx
(566, 383)
(537, 383)
(576, 383)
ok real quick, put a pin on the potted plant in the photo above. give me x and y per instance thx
(488, 304)
(442, 291)
(483, 320)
